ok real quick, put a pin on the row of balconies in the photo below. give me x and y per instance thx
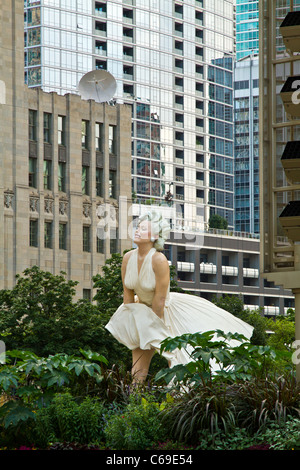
(260, 299)
(210, 268)
(268, 309)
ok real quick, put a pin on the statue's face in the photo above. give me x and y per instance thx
(143, 233)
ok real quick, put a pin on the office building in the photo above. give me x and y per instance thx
(173, 63)
(58, 168)
(246, 144)
(247, 26)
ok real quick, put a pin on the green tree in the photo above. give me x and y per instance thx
(217, 221)
(109, 285)
(40, 315)
(283, 333)
(232, 303)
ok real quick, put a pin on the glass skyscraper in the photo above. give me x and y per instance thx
(173, 63)
(246, 28)
(246, 119)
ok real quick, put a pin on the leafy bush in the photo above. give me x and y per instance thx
(283, 437)
(69, 420)
(274, 437)
(217, 409)
(208, 408)
(263, 400)
(109, 285)
(242, 393)
(137, 427)
(283, 333)
(31, 382)
(234, 356)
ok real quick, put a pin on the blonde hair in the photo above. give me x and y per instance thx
(159, 228)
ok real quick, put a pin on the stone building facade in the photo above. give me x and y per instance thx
(64, 164)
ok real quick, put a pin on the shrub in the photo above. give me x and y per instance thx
(264, 400)
(137, 427)
(216, 409)
(283, 437)
(32, 382)
(245, 392)
(69, 420)
(235, 358)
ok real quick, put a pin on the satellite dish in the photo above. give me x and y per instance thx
(98, 85)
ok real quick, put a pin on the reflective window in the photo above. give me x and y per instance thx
(34, 76)
(143, 111)
(155, 188)
(33, 16)
(143, 148)
(155, 151)
(143, 167)
(143, 186)
(34, 56)
(47, 127)
(33, 36)
(143, 129)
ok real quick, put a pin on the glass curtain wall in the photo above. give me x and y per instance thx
(246, 28)
(173, 63)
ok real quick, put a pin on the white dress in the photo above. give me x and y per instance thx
(136, 325)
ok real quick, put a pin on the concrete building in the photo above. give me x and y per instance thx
(226, 263)
(63, 163)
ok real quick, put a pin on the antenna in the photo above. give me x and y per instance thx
(97, 85)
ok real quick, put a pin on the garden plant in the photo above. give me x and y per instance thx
(66, 383)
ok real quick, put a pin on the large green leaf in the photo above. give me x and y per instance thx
(8, 379)
(13, 412)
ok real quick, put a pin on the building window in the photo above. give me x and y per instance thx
(99, 182)
(47, 128)
(62, 236)
(128, 14)
(112, 139)
(48, 235)
(128, 53)
(62, 176)
(86, 294)
(100, 245)
(98, 136)
(112, 184)
(101, 47)
(100, 28)
(101, 64)
(85, 180)
(32, 125)
(33, 232)
(114, 240)
(86, 238)
(84, 134)
(61, 130)
(47, 174)
(32, 173)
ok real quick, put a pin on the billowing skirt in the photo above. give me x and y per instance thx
(136, 325)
